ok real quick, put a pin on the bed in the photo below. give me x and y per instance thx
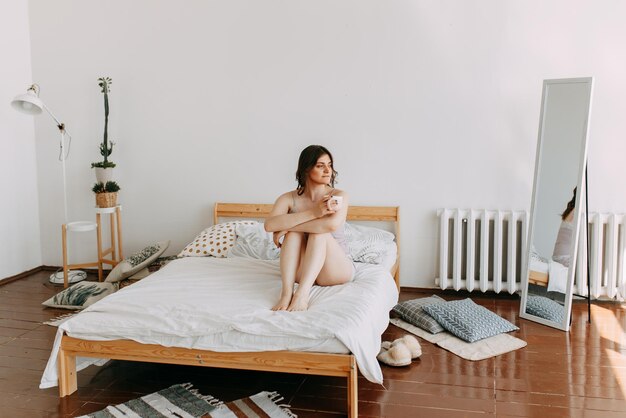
(548, 273)
(321, 350)
(538, 277)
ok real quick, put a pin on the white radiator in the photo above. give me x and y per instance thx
(484, 250)
(481, 249)
(607, 254)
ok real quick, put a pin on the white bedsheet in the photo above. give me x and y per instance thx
(558, 277)
(557, 274)
(224, 305)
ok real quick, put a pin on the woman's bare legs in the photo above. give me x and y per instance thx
(325, 263)
(290, 255)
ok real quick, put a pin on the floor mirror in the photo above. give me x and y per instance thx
(557, 200)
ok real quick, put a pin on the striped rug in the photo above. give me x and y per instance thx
(181, 401)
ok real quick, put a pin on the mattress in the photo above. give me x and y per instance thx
(538, 266)
(224, 305)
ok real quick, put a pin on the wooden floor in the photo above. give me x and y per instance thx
(575, 374)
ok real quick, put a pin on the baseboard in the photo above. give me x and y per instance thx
(21, 275)
(458, 293)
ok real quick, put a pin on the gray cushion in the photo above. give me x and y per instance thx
(136, 262)
(546, 308)
(411, 311)
(80, 295)
(254, 242)
(468, 321)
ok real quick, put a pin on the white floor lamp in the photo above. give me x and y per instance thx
(31, 104)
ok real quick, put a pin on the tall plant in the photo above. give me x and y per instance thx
(106, 147)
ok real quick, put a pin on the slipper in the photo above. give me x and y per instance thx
(411, 343)
(384, 346)
(397, 355)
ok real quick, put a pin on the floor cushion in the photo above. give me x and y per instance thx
(467, 320)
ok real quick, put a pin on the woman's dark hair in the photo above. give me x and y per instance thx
(570, 206)
(308, 159)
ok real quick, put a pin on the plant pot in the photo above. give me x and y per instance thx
(106, 200)
(104, 174)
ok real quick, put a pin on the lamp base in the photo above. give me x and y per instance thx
(73, 276)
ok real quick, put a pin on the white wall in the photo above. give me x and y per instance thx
(425, 104)
(20, 243)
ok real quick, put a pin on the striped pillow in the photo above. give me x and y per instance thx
(411, 311)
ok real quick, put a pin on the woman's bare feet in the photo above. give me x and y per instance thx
(299, 302)
(283, 302)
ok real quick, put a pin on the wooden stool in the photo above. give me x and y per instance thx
(81, 226)
(115, 222)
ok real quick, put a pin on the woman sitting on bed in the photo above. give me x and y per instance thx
(308, 226)
(563, 244)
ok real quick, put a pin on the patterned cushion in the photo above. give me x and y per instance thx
(411, 311)
(80, 295)
(215, 241)
(136, 262)
(468, 321)
(367, 244)
(546, 308)
(141, 256)
(254, 242)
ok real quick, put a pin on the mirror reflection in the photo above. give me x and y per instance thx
(561, 155)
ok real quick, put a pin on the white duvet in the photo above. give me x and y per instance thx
(224, 305)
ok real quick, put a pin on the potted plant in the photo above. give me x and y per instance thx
(104, 168)
(106, 194)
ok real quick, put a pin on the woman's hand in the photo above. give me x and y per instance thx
(321, 209)
(277, 237)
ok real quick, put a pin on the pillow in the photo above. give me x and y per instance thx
(80, 295)
(411, 311)
(546, 308)
(254, 242)
(391, 256)
(136, 262)
(468, 321)
(141, 274)
(216, 241)
(367, 244)
(534, 255)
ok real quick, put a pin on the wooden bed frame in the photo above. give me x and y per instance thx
(274, 361)
(538, 278)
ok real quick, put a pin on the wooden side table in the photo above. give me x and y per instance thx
(116, 252)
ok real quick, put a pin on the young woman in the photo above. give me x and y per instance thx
(308, 226)
(562, 246)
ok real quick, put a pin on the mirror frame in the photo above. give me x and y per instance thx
(577, 212)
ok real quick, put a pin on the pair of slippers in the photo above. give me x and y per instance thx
(399, 352)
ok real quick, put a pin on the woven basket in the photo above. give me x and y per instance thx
(106, 200)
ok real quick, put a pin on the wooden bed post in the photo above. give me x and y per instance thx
(67, 373)
(353, 390)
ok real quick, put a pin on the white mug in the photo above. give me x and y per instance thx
(338, 200)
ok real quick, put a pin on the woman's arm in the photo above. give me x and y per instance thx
(280, 219)
(327, 223)
(319, 219)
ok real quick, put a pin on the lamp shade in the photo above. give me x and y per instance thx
(28, 103)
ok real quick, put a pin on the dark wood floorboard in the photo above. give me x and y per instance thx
(577, 374)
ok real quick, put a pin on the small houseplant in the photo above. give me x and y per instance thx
(106, 194)
(104, 168)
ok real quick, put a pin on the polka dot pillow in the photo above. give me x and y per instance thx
(215, 241)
